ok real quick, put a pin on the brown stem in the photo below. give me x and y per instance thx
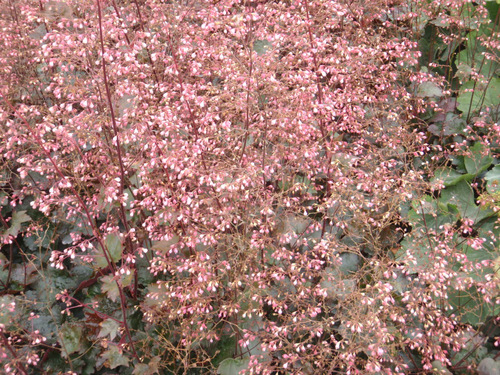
(141, 25)
(122, 173)
(112, 112)
(249, 82)
(316, 68)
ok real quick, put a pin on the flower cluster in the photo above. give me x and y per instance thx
(238, 172)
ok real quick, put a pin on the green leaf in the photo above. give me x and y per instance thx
(431, 44)
(449, 177)
(143, 275)
(496, 271)
(488, 251)
(335, 285)
(81, 273)
(47, 322)
(461, 195)
(459, 163)
(493, 178)
(4, 199)
(90, 361)
(54, 361)
(440, 22)
(53, 282)
(164, 247)
(18, 218)
(262, 101)
(114, 357)
(474, 55)
(4, 270)
(439, 368)
(135, 320)
(255, 323)
(69, 338)
(489, 366)
(428, 212)
(350, 263)
(477, 162)
(470, 306)
(401, 283)
(148, 369)
(474, 96)
(39, 239)
(464, 72)
(473, 255)
(454, 124)
(109, 327)
(493, 6)
(232, 366)
(489, 229)
(24, 274)
(261, 46)
(429, 89)
(415, 247)
(225, 348)
(110, 287)
(8, 311)
(425, 205)
(114, 246)
(114, 249)
(450, 50)
(126, 279)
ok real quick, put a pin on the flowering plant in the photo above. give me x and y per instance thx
(293, 187)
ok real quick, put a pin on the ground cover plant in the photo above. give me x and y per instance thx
(264, 187)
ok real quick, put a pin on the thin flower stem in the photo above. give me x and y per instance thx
(12, 351)
(249, 83)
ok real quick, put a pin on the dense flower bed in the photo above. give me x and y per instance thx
(276, 187)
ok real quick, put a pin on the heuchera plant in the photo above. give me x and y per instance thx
(276, 187)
